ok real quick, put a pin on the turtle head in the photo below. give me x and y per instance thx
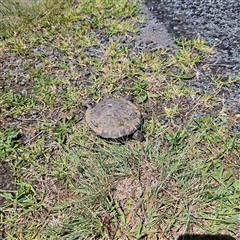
(88, 104)
(138, 136)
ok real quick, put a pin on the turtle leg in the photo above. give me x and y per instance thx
(129, 98)
(138, 136)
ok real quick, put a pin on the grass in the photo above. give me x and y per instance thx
(70, 184)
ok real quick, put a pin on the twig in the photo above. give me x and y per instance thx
(11, 191)
(33, 137)
(197, 103)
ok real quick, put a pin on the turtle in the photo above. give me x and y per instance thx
(114, 118)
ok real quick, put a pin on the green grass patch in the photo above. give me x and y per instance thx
(17, 16)
(71, 184)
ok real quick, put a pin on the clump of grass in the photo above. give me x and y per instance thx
(9, 141)
(190, 54)
(17, 15)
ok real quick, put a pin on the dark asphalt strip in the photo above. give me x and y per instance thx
(216, 21)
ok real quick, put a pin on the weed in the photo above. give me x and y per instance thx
(221, 82)
(177, 138)
(139, 90)
(9, 141)
(15, 103)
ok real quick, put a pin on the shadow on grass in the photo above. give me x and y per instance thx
(205, 237)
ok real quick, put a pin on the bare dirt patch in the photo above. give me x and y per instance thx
(7, 184)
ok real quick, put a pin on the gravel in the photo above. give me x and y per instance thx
(216, 21)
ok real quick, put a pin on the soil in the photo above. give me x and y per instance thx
(6, 181)
(153, 34)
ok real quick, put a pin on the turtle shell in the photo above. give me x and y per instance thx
(114, 118)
